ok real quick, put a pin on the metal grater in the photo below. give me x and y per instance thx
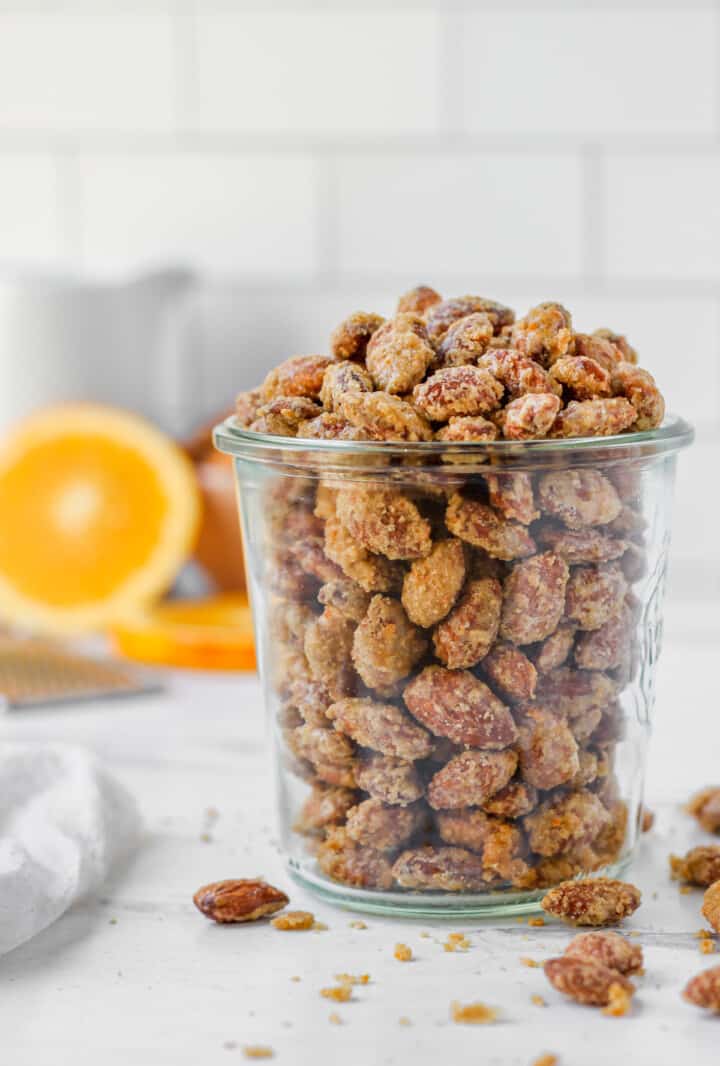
(36, 672)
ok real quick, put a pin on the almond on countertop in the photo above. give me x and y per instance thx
(239, 900)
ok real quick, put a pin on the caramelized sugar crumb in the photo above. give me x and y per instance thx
(473, 1013)
(341, 994)
(294, 921)
(619, 1001)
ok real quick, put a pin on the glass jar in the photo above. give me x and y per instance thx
(457, 644)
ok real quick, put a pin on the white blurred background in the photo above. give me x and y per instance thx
(301, 160)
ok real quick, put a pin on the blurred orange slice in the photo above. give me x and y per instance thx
(211, 634)
(98, 511)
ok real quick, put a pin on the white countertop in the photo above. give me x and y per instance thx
(138, 977)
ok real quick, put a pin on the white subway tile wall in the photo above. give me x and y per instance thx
(310, 156)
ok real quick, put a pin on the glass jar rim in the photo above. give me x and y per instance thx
(675, 433)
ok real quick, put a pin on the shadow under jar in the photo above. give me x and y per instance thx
(458, 647)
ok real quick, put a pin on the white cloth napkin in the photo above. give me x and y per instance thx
(64, 821)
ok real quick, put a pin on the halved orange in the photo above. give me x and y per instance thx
(98, 511)
(211, 634)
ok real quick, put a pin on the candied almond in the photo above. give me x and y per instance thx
(294, 921)
(605, 647)
(705, 807)
(466, 340)
(572, 693)
(378, 825)
(512, 496)
(548, 750)
(711, 906)
(595, 594)
(587, 981)
(510, 671)
(594, 418)
(471, 778)
(386, 645)
(534, 599)
(480, 525)
(439, 869)
(343, 860)
(552, 652)
(467, 827)
(373, 573)
(626, 350)
(517, 373)
(595, 901)
(609, 948)
(420, 299)
(345, 596)
(326, 805)
(545, 333)
(390, 779)
(384, 522)
(703, 990)
(340, 378)
(382, 727)
(530, 416)
(384, 417)
(457, 391)
(469, 631)
(442, 315)
(582, 376)
(328, 644)
(598, 347)
(239, 900)
(432, 584)
(246, 406)
(579, 498)
(513, 801)
(329, 426)
(399, 354)
(456, 705)
(565, 822)
(467, 427)
(302, 375)
(638, 386)
(700, 866)
(349, 340)
(586, 545)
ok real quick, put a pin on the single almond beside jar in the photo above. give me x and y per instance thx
(239, 900)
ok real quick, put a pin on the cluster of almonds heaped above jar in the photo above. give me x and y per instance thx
(458, 370)
(449, 652)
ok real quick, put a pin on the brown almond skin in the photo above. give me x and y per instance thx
(595, 901)
(239, 901)
(704, 990)
(587, 981)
